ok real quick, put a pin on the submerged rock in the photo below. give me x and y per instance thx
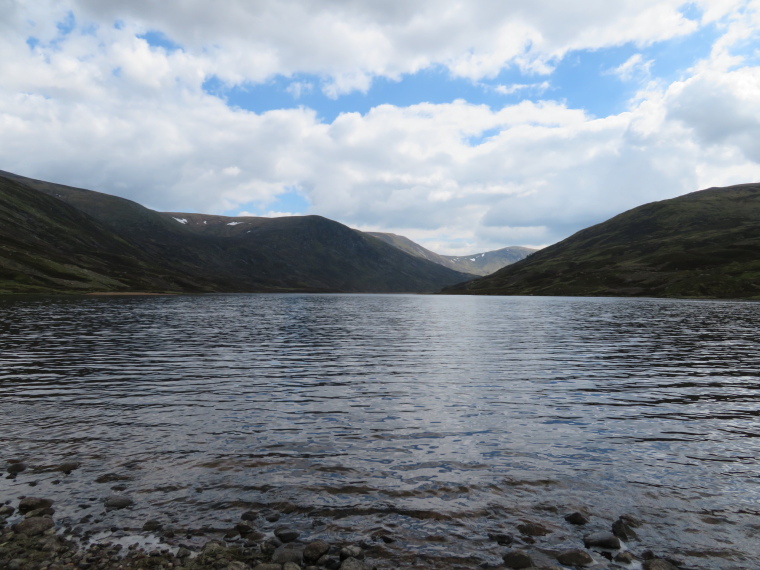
(16, 467)
(28, 504)
(68, 466)
(118, 502)
(517, 559)
(286, 534)
(575, 557)
(576, 518)
(288, 553)
(602, 540)
(315, 550)
(622, 530)
(33, 526)
(658, 564)
(528, 528)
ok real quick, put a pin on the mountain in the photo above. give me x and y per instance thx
(475, 264)
(57, 238)
(705, 244)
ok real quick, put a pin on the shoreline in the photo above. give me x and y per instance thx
(32, 538)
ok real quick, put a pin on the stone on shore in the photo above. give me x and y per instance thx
(33, 526)
(517, 559)
(28, 504)
(575, 557)
(528, 528)
(16, 467)
(314, 551)
(622, 530)
(353, 564)
(68, 466)
(289, 552)
(500, 538)
(602, 540)
(285, 534)
(576, 518)
(117, 502)
(658, 564)
(352, 551)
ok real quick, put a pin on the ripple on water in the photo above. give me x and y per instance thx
(432, 420)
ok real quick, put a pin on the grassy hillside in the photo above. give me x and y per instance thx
(156, 251)
(475, 264)
(705, 244)
(48, 246)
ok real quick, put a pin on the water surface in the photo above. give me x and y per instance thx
(431, 420)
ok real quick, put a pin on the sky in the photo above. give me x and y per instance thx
(466, 126)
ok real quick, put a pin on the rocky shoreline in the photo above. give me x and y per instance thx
(32, 539)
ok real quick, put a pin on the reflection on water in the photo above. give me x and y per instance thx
(434, 419)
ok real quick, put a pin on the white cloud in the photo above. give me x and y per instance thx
(349, 42)
(635, 66)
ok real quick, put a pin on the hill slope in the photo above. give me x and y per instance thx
(194, 252)
(475, 264)
(704, 244)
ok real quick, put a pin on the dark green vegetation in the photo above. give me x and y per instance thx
(56, 238)
(475, 264)
(704, 245)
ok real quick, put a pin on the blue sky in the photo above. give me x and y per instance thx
(466, 126)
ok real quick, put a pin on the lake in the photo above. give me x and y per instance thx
(416, 423)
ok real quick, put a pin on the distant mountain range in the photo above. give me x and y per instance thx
(475, 264)
(705, 245)
(56, 238)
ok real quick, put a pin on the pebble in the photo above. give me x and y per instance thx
(517, 559)
(288, 553)
(576, 518)
(33, 526)
(286, 534)
(315, 550)
(500, 538)
(353, 564)
(117, 502)
(68, 466)
(658, 564)
(602, 540)
(575, 557)
(622, 530)
(28, 504)
(352, 551)
(528, 528)
(16, 467)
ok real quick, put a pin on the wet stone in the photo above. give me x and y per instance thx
(34, 526)
(329, 562)
(315, 550)
(575, 557)
(290, 566)
(352, 551)
(268, 567)
(272, 518)
(40, 512)
(532, 529)
(602, 540)
(625, 557)
(500, 538)
(152, 525)
(288, 553)
(517, 559)
(16, 467)
(28, 504)
(353, 564)
(622, 530)
(658, 564)
(576, 518)
(249, 516)
(286, 534)
(6, 510)
(68, 466)
(118, 502)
